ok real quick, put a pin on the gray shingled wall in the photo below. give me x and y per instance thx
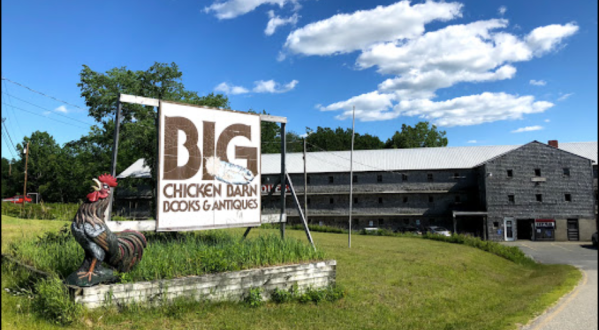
(551, 162)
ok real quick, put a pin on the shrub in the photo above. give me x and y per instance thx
(52, 302)
(281, 296)
(511, 253)
(254, 297)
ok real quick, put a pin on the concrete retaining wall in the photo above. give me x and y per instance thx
(231, 286)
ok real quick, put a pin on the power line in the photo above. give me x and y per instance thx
(8, 134)
(40, 93)
(60, 121)
(12, 110)
(35, 105)
(6, 140)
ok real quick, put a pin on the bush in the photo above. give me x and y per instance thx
(281, 296)
(511, 253)
(41, 211)
(52, 302)
(254, 298)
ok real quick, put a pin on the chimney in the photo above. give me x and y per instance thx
(553, 143)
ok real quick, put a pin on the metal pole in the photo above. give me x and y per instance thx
(351, 174)
(305, 185)
(283, 169)
(115, 150)
(25, 184)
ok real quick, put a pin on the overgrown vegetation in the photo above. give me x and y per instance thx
(41, 211)
(330, 293)
(390, 283)
(170, 255)
(51, 301)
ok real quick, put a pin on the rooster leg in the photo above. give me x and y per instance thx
(90, 272)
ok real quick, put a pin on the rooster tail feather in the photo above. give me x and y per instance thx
(131, 248)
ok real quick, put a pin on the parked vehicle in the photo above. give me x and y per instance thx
(408, 230)
(594, 239)
(17, 199)
(438, 230)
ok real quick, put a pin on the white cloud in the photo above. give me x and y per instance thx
(344, 33)
(276, 21)
(233, 8)
(230, 89)
(547, 120)
(502, 10)
(472, 141)
(472, 52)
(473, 109)
(369, 102)
(61, 109)
(270, 86)
(528, 129)
(546, 38)
(460, 111)
(565, 96)
(538, 82)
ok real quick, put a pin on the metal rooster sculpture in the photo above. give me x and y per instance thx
(121, 251)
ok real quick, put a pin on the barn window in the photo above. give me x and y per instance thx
(380, 200)
(511, 198)
(331, 201)
(539, 197)
(330, 179)
(510, 173)
(568, 197)
(355, 179)
(566, 171)
(430, 199)
(379, 178)
(537, 172)
(405, 199)
(404, 177)
(429, 176)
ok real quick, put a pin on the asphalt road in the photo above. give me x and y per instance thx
(578, 309)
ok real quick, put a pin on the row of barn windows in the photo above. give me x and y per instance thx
(379, 178)
(431, 199)
(538, 197)
(565, 171)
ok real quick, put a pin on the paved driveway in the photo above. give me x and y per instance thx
(578, 309)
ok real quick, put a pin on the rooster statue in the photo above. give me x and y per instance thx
(121, 251)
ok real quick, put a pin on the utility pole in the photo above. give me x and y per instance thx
(351, 174)
(25, 184)
(305, 185)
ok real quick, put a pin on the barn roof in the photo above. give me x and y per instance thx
(388, 159)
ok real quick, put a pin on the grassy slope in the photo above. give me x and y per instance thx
(392, 283)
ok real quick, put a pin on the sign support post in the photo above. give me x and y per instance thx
(283, 183)
(115, 150)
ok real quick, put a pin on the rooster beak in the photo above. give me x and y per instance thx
(99, 185)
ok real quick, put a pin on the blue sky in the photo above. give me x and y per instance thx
(486, 72)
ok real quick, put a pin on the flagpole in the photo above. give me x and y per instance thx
(351, 173)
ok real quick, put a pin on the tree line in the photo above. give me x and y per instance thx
(63, 173)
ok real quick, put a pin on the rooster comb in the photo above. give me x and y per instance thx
(108, 179)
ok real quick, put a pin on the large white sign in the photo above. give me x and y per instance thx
(209, 168)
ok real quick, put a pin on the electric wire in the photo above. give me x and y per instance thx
(7, 145)
(54, 112)
(40, 93)
(60, 121)
(12, 110)
(8, 134)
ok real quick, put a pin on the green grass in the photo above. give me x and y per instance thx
(391, 283)
(170, 255)
(41, 211)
